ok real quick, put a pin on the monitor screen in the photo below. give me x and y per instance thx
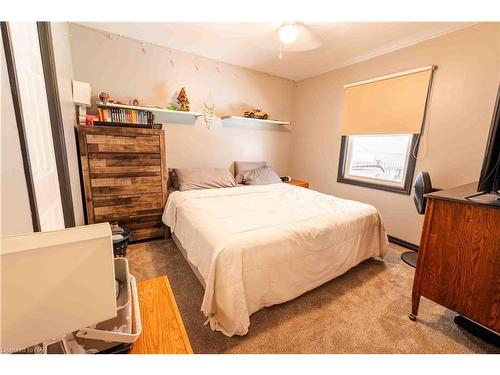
(489, 180)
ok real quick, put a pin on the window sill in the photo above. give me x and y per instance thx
(392, 189)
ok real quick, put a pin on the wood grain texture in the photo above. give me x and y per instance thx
(122, 140)
(125, 190)
(459, 260)
(417, 280)
(86, 175)
(147, 233)
(111, 147)
(125, 177)
(303, 184)
(164, 170)
(163, 331)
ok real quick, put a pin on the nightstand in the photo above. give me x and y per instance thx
(303, 184)
(163, 331)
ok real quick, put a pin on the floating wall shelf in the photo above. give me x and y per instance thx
(250, 120)
(168, 112)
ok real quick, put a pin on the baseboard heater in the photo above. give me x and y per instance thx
(402, 243)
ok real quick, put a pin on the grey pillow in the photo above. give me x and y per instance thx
(204, 178)
(261, 176)
(241, 167)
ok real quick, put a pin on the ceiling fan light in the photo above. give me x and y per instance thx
(288, 33)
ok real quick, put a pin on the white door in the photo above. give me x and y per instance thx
(33, 97)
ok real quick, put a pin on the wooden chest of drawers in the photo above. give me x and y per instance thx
(459, 257)
(125, 177)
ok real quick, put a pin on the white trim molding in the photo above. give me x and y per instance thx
(393, 75)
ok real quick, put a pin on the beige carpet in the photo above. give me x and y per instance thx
(363, 311)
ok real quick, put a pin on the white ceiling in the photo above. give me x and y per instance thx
(256, 45)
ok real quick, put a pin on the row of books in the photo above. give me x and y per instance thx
(128, 116)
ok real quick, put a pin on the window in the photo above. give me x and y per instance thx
(382, 161)
(381, 124)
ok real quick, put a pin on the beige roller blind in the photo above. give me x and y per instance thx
(393, 104)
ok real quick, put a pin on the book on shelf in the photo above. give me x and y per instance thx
(125, 116)
(128, 124)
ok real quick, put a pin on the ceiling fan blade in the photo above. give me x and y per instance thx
(305, 41)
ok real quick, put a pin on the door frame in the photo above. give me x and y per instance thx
(56, 122)
(23, 142)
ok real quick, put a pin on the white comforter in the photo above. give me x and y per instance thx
(257, 246)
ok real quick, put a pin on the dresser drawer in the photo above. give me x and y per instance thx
(144, 221)
(112, 166)
(115, 208)
(149, 225)
(117, 159)
(144, 226)
(97, 143)
(152, 232)
(130, 171)
(122, 186)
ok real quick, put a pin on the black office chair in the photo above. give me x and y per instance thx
(422, 186)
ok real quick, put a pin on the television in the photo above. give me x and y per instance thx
(489, 181)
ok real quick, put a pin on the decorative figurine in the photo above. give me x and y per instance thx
(89, 119)
(104, 97)
(209, 114)
(256, 113)
(182, 101)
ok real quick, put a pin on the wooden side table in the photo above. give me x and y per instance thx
(163, 331)
(303, 184)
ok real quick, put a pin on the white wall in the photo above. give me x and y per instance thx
(453, 144)
(14, 201)
(64, 69)
(119, 67)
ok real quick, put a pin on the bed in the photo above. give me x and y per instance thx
(256, 246)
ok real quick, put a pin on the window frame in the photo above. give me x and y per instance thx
(409, 173)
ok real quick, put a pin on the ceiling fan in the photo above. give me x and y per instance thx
(296, 37)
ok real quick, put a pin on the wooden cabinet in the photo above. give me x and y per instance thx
(124, 177)
(459, 257)
(303, 184)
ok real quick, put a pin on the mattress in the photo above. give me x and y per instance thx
(256, 246)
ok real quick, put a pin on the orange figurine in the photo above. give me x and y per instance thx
(182, 101)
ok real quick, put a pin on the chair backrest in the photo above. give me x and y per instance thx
(422, 186)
